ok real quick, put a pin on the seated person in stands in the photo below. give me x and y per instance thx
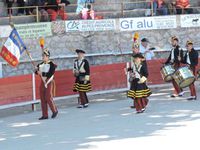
(80, 6)
(171, 6)
(159, 6)
(183, 6)
(57, 9)
(88, 12)
(42, 13)
(162, 7)
(9, 6)
(21, 3)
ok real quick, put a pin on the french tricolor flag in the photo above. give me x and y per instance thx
(13, 48)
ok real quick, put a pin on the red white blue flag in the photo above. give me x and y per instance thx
(13, 48)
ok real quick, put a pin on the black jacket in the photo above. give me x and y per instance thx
(48, 73)
(143, 71)
(177, 51)
(54, 5)
(85, 65)
(193, 55)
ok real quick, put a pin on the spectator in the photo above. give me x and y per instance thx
(80, 6)
(149, 7)
(57, 9)
(42, 13)
(162, 7)
(171, 6)
(145, 50)
(88, 12)
(21, 3)
(159, 6)
(9, 6)
(183, 6)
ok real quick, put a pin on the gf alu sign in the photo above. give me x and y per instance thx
(147, 23)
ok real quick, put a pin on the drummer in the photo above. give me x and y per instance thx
(175, 57)
(191, 59)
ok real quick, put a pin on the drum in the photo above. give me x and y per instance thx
(184, 77)
(167, 71)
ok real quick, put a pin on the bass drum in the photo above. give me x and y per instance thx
(167, 72)
(184, 77)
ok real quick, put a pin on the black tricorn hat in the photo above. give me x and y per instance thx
(80, 51)
(46, 52)
(138, 55)
(144, 40)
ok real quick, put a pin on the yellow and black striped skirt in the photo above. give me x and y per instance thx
(81, 87)
(139, 93)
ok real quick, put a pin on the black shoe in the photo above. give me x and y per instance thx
(192, 98)
(42, 118)
(139, 112)
(173, 95)
(85, 105)
(80, 106)
(132, 107)
(54, 115)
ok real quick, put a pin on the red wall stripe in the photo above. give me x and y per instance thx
(104, 77)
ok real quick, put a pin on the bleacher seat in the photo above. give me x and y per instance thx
(106, 10)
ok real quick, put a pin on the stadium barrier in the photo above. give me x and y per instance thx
(121, 8)
(24, 90)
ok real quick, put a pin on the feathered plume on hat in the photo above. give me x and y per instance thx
(41, 41)
(136, 40)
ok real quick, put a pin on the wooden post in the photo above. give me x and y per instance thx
(122, 8)
(152, 9)
(37, 14)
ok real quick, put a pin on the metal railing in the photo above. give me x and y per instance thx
(120, 8)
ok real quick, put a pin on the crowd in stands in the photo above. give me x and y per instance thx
(50, 9)
(47, 9)
(169, 7)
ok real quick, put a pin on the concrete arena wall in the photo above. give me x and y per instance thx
(103, 77)
(95, 43)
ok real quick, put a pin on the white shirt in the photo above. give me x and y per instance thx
(143, 49)
(188, 58)
(172, 54)
(149, 53)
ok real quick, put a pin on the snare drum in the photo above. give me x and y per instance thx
(184, 77)
(167, 71)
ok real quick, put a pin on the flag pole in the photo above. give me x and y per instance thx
(27, 52)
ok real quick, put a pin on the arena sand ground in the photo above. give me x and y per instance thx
(107, 124)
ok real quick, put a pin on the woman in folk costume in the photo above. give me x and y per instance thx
(135, 50)
(46, 70)
(139, 90)
(82, 83)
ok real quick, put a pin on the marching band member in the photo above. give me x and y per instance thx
(46, 70)
(175, 59)
(191, 59)
(135, 50)
(139, 90)
(82, 83)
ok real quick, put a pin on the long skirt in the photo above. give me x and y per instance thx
(139, 93)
